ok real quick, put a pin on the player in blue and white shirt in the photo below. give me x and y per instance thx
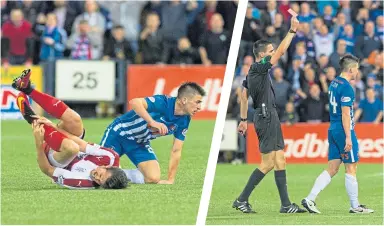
(343, 145)
(152, 117)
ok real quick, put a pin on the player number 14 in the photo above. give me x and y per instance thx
(332, 101)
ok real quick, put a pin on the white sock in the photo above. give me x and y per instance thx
(135, 176)
(321, 182)
(352, 190)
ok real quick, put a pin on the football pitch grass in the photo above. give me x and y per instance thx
(333, 201)
(29, 197)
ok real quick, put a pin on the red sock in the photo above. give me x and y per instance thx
(53, 137)
(50, 104)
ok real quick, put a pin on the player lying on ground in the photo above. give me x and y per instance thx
(69, 160)
(267, 125)
(152, 117)
(343, 145)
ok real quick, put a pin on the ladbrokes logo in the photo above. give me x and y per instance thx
(211, 86)
(311, 146)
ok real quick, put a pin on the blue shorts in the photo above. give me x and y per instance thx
(336, 140)
(136, 152)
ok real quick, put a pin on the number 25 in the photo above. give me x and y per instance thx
(90, 80)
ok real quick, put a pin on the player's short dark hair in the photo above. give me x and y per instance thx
(348, 61)
(117, 180)
(260, 46)
(118, 26)
(190, 88)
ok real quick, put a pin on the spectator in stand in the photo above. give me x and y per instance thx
(95, 20)
(361, 18)
(317, 23)
(280, 28)
(174, 20)
(321, 6)
(117, 46)
(184, 53)
(65, 15)
(151, 40)
(290, 116)
(251, 32)
(215, 43)
(338, 27)
(301, 51)
(31, 9)
(18, 33)
(380, 27)
(336, 56)
(283, 9)
(304, 35)
(295, 73)
(314, 108)
(328, 16)
(268, 16)
(374, 11)
(323, 42)
(330, 74)
(228, 10)
(375, 85)
(270, 35)
(53, 40)
(283, 90)
(349, 38)
(127, 14)
(309, 80)
(323, 63)
(305, 16)
(370, 109)
(84, 44)
(368, 42)
(345, 8)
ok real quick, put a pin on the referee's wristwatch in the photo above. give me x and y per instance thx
(243, 119)
(292, 31)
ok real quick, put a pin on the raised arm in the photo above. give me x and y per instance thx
(286, 42)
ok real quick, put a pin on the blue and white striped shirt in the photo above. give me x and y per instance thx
(162, 109)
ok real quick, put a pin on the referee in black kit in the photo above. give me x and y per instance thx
(267, 124)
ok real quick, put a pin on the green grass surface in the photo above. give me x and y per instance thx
(29, 197)
(333, 201)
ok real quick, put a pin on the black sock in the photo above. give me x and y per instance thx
(253, 180)
(281, 183)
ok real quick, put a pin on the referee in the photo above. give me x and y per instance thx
(267, 124)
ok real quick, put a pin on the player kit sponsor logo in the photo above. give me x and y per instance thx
(345, 99)
(308, 143)
(184, 132)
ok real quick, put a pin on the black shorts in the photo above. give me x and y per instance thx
(268, 130)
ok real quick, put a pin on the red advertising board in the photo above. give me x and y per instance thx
(150, 80)
(308, 143)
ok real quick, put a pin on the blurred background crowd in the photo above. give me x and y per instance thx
(141, 32)
(328, 30)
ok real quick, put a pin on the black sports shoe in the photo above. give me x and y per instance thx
(23, 83)
(25, 107)
(244, 206)
(293, 208)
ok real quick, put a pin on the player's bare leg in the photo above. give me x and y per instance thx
(352, 188)
(281, 183)
(321, 182)
(151, 171)
(70, 121)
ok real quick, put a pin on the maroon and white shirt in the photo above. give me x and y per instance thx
(77, 175)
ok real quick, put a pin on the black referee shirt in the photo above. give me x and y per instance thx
(259, 84)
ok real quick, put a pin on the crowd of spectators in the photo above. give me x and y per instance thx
(142, 32)
(328, 30)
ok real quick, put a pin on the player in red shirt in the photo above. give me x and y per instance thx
(67, 159)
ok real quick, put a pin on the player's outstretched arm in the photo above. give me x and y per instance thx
(174, 160)
(286, 42)
(140, 106)
(38, 133)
